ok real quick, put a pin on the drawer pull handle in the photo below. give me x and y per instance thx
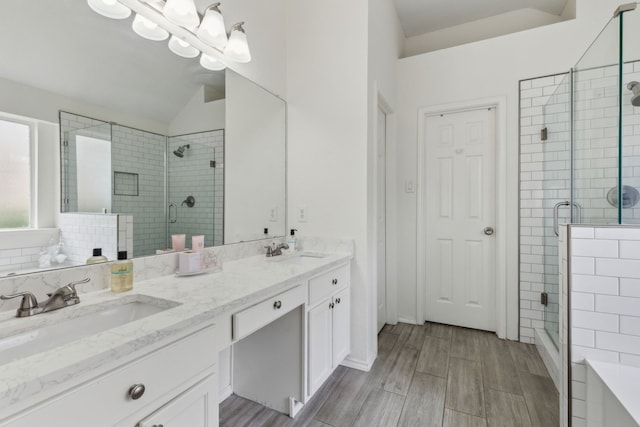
(277, 305)
(334, 282)
(331, 305)
(136, 391)
(337, 300)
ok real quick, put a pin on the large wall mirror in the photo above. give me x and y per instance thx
(144, 134)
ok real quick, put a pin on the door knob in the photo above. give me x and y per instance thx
(489, 231)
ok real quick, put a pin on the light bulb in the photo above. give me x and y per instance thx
(110, 8)
(211, 63)
(212, 29)
(182, 12)
(238, 49)
(182, 48)
(148, 29)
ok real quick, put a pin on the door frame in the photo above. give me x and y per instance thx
(391, 303)
(499, 103)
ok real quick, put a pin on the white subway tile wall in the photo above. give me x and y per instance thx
(143, 153)
(138, 162)
(544, 181)
(19, 259)
(82, 232)
(545, 176)
(194, 175)
(605, 304)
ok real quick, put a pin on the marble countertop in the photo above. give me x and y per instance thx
(200, 297)
(623, 381)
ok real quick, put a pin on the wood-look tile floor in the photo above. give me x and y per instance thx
(425, 376)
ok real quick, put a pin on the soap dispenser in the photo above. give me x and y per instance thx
(97, 257)
(122, 274)
(291, 241)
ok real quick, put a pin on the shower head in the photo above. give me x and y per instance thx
(180, 150)
(635, 88)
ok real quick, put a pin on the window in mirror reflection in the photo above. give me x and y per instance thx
(93, 166)
(15, 174)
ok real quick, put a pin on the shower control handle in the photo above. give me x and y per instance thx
(489, 231)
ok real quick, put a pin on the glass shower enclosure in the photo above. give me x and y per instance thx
(591, 145)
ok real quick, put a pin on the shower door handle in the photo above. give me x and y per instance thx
(556, 208)
(175, 218)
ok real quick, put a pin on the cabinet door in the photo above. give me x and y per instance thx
(341, 327)
(320, 363)
(196, 407)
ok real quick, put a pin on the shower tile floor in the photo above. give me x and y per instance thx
(429, 375)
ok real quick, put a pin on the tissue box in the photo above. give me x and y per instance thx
(189, 262)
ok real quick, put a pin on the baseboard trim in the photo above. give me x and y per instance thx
(359, 364)
(224, 393)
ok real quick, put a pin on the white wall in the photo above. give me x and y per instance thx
(255, 168)
(327, 137)
(484, 69)
(265, 26)
(198, 115)
(28, 101)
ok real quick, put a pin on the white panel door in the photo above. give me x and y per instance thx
(381, 219)
(460, 216)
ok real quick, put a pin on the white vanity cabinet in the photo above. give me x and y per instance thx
(176, 381)
(196, 407)
(328, 325)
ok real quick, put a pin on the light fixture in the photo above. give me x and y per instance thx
(237, 48)
(182, 48)
(212, 28)
(211, 63)
(159, 19)
(182, 12)
(110, 8)
(148, 29)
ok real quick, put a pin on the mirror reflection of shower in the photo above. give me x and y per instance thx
(180, 150)
(635, 88)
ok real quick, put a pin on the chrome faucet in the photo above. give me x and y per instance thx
(61, 297)
(276, 250)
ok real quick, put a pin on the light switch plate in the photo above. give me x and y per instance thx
(409, 186)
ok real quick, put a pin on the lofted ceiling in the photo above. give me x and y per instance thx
(64, 47)
(462, 20)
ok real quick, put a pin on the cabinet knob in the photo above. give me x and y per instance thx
(136, 391)
(337, 300)
(334, 281)
(277, 305)
(331, 305)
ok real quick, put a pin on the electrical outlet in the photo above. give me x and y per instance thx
(303, 215)
(273, 214)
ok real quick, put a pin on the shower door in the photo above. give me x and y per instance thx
(194, 186)
(596, 135)
(556, 193)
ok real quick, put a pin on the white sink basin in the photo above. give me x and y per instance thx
(297, 258)
(47, 336)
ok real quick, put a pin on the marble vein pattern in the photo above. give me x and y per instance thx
(196, 300)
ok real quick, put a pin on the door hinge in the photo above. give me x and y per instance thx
(544, 298)
(544, 134)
